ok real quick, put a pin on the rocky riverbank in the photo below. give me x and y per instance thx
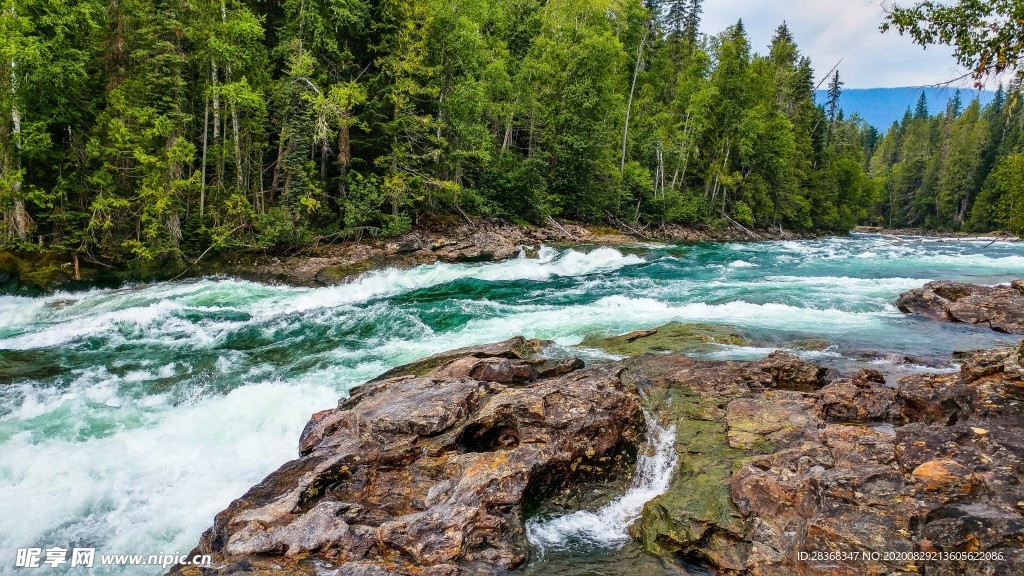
(483, 241)
(973, 236)
(783, 467)
(328, 264)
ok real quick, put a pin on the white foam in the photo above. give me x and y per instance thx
(549, 263)
(155, 488)
(742, 264)
(153, 313)
(607, 525)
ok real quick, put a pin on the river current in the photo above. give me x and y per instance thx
(129, 417)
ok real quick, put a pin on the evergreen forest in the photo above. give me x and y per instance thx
(144, 131)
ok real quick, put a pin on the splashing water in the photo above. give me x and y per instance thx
(606, 527)
(129, 417)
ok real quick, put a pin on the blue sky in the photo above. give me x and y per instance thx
(827, 30)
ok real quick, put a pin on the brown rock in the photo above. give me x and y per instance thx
(1001, 308)
(502, 370)
(429, 474)
(944, 475)
(789, 372)
(865, 398)
(933, 398)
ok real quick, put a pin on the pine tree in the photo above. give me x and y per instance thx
(921, 110)
(691, 26)
(956, 105)
(835, 91)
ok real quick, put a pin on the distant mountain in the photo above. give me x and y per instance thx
(880, 107)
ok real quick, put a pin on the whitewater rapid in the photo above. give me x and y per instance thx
(129, 417)
(606, 526)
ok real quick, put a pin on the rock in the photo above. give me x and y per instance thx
(946, 476)
(429, 471)
(810, 344)
(933, 398)
(336, 274)
(429, 474)
(791, 373)
(409, 243)
(865, 398)
(768, 419)
(502, 370)
(813, 473)
(517, 348)
(1001, 308)
(672, 338)
(481, 245)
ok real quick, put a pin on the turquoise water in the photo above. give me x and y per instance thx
(129, 417)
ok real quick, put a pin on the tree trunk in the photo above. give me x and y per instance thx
(239, 174)
(629, 103)
(20, 223)
(202, 177)
(216, 113)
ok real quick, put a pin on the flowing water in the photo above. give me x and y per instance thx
(129, 417)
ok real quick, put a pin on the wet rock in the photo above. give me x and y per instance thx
(897, 359)
(933, 398)
(1001, 308)
(517, 348)
(811, 474)
(865, 398)
(791, 373)
(429, 474)
(502, 370)
(810, 344)
(672, 338)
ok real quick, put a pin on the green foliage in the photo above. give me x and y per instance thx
(149, 131)
(950, 171)
(986, 36)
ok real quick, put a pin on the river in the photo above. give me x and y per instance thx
(129, 417)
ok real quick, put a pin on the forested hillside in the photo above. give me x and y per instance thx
(961, 169)
(144, 130)
(880, 107)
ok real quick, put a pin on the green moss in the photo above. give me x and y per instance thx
(816, 344)
(672, 338)
(699, 498)
(37, 272)
(338, 274)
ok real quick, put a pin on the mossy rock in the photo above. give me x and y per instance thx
(672, 338)
(811, 344)
(332, 275)
(696, 515)
(35, 273)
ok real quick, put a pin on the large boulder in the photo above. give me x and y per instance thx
(672, 338)
(428, 471)
(1001, 308)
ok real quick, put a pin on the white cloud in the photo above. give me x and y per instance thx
(830, 30)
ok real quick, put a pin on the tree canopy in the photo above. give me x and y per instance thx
(144, 131)
(987, 37)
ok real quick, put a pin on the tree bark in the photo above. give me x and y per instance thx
(20, 223)
(629, 103)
